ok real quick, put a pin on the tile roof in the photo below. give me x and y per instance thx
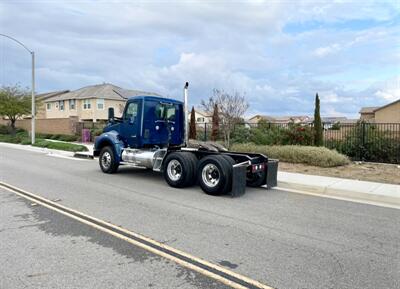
(105, 90)
(368, 109)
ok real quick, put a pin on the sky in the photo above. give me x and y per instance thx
(279, 54)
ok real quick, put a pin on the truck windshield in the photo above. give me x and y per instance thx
(165, 111)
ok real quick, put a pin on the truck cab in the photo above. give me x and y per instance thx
(149, 121)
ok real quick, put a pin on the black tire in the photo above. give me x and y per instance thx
(255, 180)
(229, 159)
(178, 169)
(221, 171)
(107, 161)
(230, 162)
(193, 160)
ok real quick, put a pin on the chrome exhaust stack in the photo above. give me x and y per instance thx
(185, 113)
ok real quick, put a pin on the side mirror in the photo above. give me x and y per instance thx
(110, 113)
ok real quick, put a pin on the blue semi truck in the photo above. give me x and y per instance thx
(152, 133)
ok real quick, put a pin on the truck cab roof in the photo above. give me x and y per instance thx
(154, 98)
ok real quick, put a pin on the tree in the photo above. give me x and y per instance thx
(192, 125)
(231, 107)
(215, 123)
(14, 103)
(318, 132)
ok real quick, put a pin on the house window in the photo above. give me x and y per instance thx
(86, 104)
(200, 119)
(100, 104)
(72, 104)
(61, 105)
(48, 106)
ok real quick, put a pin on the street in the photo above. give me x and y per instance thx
(281, 239)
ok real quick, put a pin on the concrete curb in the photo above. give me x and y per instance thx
(360, 191)
(82, 155)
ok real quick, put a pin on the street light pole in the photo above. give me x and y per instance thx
(33, 100)
(33, 84)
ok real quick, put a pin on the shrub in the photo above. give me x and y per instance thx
(10, 138)
(367, 142)
(297, 134)
(26, 141)
(55, 136)
(240, 134)
(44, 135)
(96, 132)
(336, 126)
(4, 129)
(68, 137)
(316, 156)
(273, 134)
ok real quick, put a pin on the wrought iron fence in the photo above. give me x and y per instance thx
(375, 142)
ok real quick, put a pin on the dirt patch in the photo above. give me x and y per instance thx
(382, 173)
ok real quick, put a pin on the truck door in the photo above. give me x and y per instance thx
(131, 124)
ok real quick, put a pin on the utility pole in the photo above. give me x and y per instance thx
(33, 84)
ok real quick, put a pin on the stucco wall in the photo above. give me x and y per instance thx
(55, 112)
(52, 126)
(367, 116)
(389, 114)
(85, 114)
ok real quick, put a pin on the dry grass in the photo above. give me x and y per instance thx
(373, 172)
(316, 156)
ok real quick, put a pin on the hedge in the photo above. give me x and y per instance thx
(316, 156)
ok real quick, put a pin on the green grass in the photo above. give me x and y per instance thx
(22, 137)
(64, 146)
(316, 156)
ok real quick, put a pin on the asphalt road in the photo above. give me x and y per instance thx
(282, 239)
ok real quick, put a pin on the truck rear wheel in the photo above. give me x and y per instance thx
(179, 169)
(107, 160)
(214, 175)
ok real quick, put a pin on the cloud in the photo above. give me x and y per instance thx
(388, 90)
(243, 46)
(331, 49)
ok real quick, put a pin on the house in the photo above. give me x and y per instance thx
(367, 113)
(255, 119)
(333, 119)
(279, 119)
(201, 116)
(89, 103)
(389, 113)
(40, 98)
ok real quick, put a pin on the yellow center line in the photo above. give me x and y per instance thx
(60, 209)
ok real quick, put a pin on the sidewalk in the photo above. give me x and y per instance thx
(38, 149)
(375, 193)
(83, 155)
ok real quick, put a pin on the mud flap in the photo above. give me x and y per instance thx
(271, 177)
(239, 179)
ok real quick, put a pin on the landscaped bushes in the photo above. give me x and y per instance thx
(366, 142)
(270, 134)
(316, 156)
(22, 137)
(61, 137)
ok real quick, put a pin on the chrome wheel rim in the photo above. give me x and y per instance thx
(106, 160)
(210, 175)
(174, 170)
